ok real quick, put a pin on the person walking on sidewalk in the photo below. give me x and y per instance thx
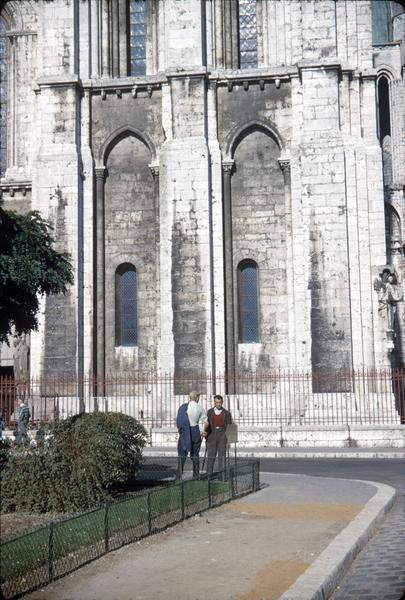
(218, 420)
(189, 417)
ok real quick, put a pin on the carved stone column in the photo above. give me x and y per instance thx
(99, 279)
(284, 163)
(227, 167)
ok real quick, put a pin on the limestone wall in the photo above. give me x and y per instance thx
(141, 169)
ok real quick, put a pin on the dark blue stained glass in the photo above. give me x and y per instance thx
(247, 34)
(126, 306)
(137, 6)
(137, 37)
(381, 21)
(248, 302)
(138, 67)
(137, 40)
(249, 45)
(137, 18)
(3, 98)
(137, 53)
(248, 22)
(138, 29)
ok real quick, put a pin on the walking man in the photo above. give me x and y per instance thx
(23, 420)
(218, 420)
(189, 417)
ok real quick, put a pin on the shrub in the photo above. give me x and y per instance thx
(5, 446)
(24, 481)
(84, 458)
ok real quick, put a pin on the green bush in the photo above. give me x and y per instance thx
(5, 446)
(84, 458)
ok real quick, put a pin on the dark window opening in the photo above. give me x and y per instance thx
(137, 37)
(384, 119)
(247, 34)
(248, 302)
(126, 310)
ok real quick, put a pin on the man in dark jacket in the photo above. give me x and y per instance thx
(215, 432)
(189, 417)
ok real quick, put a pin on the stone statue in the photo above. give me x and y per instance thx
(389, 292)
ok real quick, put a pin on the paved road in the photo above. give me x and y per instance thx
(378, 573)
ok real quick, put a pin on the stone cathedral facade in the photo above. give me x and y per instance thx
(227, 175)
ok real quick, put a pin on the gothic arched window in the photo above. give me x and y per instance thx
(381, 21)
(248, 302)
(384, 126)
(384, 116)
(3, 97)
(247, 34)
(137, 37)
(126, 309)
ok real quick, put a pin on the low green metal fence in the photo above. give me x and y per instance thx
(36, 558)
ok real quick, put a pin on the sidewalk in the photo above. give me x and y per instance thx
(261, 452)
(293, 540)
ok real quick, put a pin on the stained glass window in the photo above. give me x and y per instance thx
(137, 37)
(126, 310)
(247, 34)
(382, 24)
(3, 98)
(248, 302)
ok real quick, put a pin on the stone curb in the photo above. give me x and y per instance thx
(295, 454)
(322, 577)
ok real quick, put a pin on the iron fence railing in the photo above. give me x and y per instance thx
(37, 557)
(288, 397)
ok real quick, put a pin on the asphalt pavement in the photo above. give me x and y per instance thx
(294, 539)
(378, 572)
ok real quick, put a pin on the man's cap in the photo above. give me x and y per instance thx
(194, 395)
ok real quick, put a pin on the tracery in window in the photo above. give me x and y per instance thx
(247, 34)
(3, 97)
(126, 310)
(137, 37)
(248, 302)
(381, 21)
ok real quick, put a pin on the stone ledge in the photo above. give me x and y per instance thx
(302, 436)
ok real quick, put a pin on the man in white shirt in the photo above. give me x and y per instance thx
(196, 413)
(189, 418)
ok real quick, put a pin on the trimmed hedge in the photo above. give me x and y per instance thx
(84, 458)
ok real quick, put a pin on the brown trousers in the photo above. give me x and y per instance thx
(216, 446)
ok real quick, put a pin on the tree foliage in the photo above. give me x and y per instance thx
(29, 267)
(85, 457)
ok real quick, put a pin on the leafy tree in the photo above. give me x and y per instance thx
(29, 266)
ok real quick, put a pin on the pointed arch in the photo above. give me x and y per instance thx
(239, 133)
(387, 71)
(12, 16)
(119, 134)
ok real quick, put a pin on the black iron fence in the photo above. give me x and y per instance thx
(290, 397)
(37, 557)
